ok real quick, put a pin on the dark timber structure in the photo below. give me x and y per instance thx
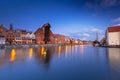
(46, 33)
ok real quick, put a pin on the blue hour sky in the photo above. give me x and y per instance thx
(79, 19)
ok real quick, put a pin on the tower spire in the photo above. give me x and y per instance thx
(97, 36)
(11, 27)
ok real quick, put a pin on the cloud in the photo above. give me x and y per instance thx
(117, 20)
(87, 33)
(117, 24)
(102, 3)
(97, 30)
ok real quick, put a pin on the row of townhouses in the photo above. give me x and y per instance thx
(18, 36)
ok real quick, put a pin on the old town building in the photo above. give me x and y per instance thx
(113, 35)
(18, 38)
(30, 38)
(60, 39)
(2, 31)
(10, 36)
(2, 34)
(23, 35)
(40, 32)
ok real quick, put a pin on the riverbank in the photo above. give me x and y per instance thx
(112, 46)
(27, 46)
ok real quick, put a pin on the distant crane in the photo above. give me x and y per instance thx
(96, 41)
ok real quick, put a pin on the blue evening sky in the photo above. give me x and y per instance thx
(79, 19)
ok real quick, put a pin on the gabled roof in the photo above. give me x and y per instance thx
(39, 30)
(114, 29)
(2, 27)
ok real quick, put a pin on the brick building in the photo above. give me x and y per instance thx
(60, 39)
(39, 34)
(10, 35)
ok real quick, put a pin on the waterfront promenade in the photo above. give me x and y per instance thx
(29, 45)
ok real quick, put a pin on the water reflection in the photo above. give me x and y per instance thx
(81, 49)
(30, 53)
(66, 48)
(59, 51)
(43, 55)
(96, 63)
(114, 62)
(12, 55)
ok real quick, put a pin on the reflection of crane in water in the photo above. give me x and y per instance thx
(44, 55)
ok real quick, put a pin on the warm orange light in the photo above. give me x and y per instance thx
(59, 51)
(66, 50)
(30, 53)
(43, 51)
(12, 55)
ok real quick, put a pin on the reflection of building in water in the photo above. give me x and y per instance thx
(44, 55)
(30, 52)
(12, 55)
(66, 48)
(43, 51)
(81, 49)
(59, 51)
(72, 48)
(2, 54)
(114, 59)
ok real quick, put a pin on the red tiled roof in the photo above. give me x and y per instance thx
(114, 29)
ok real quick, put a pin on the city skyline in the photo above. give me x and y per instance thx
(79, 19)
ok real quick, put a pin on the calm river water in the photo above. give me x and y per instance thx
(60, 63)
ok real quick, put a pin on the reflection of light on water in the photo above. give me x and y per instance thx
(30, 53)
(73, 48)
(59, 51)
(43, 51)
(82, 49)
(12, 55)
(66, 50)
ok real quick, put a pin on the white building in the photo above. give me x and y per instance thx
(2, 40)
(30, 37)
(113, 35)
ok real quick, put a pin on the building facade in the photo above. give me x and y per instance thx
(40, 32)
(113, 35)
(59, 39)
(2, 40)
(10, 36)
(18, 38)
(30, 38)
(2, 34)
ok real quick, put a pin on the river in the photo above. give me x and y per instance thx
(76, 62)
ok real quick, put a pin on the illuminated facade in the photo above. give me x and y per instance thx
(21, 37)
(113, 35)
(10, 36)
(59, 39)
(39, 34)
(2, 34)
